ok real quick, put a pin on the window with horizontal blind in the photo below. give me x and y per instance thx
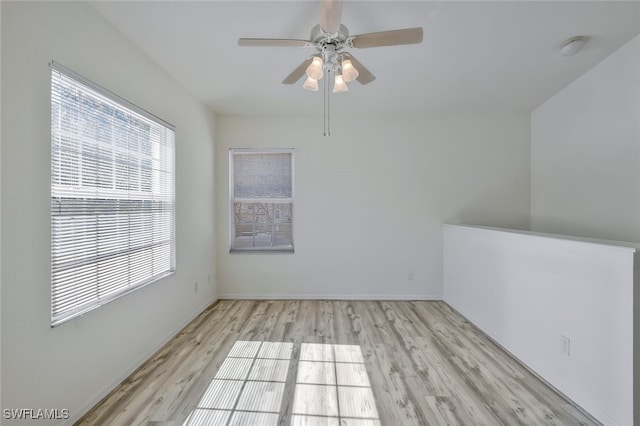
(261, 200)
(112, 196)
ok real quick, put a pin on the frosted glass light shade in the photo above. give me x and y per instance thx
(339, 85)
(311, 84)
(349, 72)
(314, 70)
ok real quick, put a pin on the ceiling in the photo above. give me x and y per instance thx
(489, 56)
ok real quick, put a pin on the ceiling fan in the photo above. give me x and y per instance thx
(330, 38)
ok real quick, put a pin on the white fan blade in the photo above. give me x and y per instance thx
(330, 16)
(388, 38)
(365, 76)
(276, 42)
(298, 72)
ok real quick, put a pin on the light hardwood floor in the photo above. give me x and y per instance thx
(336, 363)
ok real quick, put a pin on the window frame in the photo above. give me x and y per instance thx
(160, 191)
(233, 200)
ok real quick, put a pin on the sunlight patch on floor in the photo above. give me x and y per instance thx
(331, 388)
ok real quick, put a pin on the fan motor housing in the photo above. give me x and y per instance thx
(320, 39)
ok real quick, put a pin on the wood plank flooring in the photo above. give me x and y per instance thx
(347, 363)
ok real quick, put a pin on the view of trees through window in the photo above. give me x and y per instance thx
(262, 197)
(263, 224)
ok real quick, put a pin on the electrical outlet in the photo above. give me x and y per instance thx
(195, 287)
(410, 277)
(565, 345)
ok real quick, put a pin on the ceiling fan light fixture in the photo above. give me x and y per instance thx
(315, 69)
(329, 38)
(339, 85)
(311, 84)
(349, 72)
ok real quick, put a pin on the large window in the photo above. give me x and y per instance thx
(261, 193)
(112, 196)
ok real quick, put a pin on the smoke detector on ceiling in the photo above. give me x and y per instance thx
(573, 45)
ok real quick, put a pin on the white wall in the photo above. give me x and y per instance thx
(370, 199)
(0, 207)
(527, 290)
(585, 153)
(585, 159)
(72, 366)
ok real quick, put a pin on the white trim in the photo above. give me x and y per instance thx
(77, 413)
(109, 94)
(264, 200)
(265, 150)
(399, 297)
(527, 367)
(77, 279)
(614, 245)
(233, 199)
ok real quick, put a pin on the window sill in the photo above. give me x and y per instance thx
(263, 251)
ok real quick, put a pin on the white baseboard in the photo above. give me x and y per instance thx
(289, 296)
(77, 413)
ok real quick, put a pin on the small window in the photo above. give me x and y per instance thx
(112, 196)
(261, 200)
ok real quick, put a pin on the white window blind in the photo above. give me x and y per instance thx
(112, 196)
(261, 199)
